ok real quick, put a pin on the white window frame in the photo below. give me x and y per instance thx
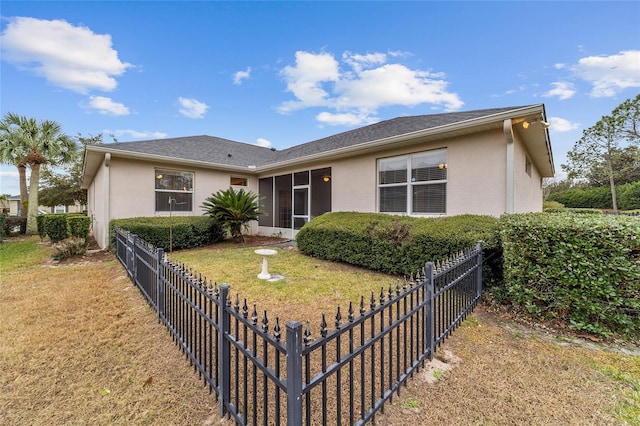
(160, 171)
(409, 184)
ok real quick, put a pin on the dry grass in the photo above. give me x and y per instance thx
(79, 345)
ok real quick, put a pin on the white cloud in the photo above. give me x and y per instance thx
(366, 82)
(107, 106)
(346, 119)
(192, 108)
(561, 125)
(72, 57)
(241, 75)
(135, 134)
(560, 66)
(263, 142)
(306, 78)
(563, 90)
(610, 74)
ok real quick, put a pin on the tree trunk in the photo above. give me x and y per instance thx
(22, 174)
(612, 184)
(34, 181)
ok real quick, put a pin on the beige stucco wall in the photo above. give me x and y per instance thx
(132, 191)
(475, 184)
(528, 188)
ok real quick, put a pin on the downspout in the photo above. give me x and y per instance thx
(107, 198)
(510, 170)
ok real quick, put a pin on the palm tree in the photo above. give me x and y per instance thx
(11, 139)
(233, 209)
(37, 144)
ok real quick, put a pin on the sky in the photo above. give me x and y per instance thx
(279, 74)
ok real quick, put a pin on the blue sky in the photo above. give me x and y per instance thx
(284, 73)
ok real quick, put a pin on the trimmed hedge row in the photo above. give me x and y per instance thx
(187, 231)
(583, 270)
(60, 226)
(628, 197)
(393, 244)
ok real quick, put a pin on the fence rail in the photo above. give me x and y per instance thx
(286, 375)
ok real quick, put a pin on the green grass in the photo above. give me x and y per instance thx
(307, 281)
(626, 371)
(16, 254)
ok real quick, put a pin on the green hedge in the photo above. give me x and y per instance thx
(2, 232)
(628, 197)
(583, 270)
(187, 231)
(79, 227)
(40, 223)
(56, 227)
(393, 244)
(12, 222)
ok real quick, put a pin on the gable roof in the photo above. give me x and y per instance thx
(215, 152)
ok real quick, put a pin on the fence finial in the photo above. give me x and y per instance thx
(265, 322)
(338, 318)
(323, 326)
(307, 335)
(254, 315)
(276, 329)
(245, 309)
(350, 316)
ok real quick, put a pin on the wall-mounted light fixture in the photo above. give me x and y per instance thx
(159, 176)
(326, 178)
(527, 123)
(442, 166)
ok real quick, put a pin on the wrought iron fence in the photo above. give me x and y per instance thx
(274, 376)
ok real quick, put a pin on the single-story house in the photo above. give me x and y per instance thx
(489, 161)
(13, 207)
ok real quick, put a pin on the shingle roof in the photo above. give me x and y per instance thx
(216, 150)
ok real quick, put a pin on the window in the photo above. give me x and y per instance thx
(238, 181)
(413, 184)
(174, 190)
(60, 209)
(527, 165)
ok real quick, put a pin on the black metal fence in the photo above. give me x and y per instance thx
(344, 376)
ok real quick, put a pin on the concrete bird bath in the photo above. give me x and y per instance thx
(265, 253)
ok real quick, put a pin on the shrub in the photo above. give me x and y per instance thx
(393, 244)
(11, 223)
(187, 231)
(40, 224)
(79, 226)
(629, 196)
(2, 217)
(69, 247)
(56, 226)
(548, 205)
(583, 270)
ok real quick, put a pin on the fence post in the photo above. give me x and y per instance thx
(479, 272)
(224, 347)
(159, 286)
(294, 373)
(134, 263)
(430, 320)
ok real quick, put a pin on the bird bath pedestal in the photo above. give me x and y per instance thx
(265, 253)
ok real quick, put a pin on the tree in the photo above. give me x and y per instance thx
(233, 209)
(38, 144)
(11, 138)
(602, 142)
(66, 187)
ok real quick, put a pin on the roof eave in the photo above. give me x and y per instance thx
(444, 130)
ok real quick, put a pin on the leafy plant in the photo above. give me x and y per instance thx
(233, 209)
(583, 270)
(393, 244)
(69, 247)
